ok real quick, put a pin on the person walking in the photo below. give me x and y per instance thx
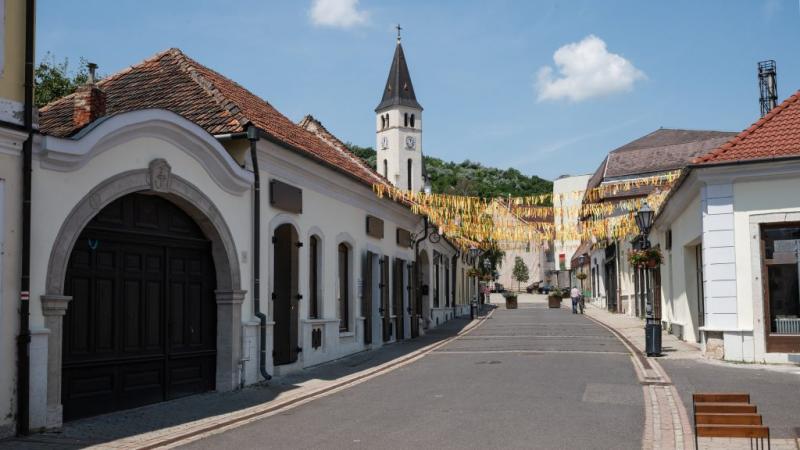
(576, 297)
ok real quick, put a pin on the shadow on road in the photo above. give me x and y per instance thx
(121, 424)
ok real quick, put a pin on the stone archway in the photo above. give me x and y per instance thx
(156, 179)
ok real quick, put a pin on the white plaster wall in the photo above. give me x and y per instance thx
(678, 285)
(56, 193)
(10, 170)
(564, 203)
(334, 208)
(719, 262)
(776, 195)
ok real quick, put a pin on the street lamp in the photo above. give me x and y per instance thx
(488, 266)
(581, 260)
(652, 327)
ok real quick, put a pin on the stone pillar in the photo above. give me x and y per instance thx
(229, 338)
(54, 307)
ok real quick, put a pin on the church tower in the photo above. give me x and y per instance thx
(399, 128)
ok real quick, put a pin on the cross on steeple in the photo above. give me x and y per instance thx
(398, 32)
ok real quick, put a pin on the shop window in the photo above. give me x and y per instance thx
(780, 245)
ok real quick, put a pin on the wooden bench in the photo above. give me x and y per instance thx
(723, 414)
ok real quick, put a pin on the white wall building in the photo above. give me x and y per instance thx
(567, 198)
(143, 280)
(731, 231)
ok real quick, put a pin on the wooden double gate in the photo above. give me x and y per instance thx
(141, 326)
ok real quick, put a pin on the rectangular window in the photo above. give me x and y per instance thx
(343, 289)
(313, 278)
(780, 251)
(701, 296)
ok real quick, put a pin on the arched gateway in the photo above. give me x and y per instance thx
(144, 273)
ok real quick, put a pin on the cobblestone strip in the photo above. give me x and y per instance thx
(188, 432)
(663, 413)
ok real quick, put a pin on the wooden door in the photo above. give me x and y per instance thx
(366, 300)
(285, 295)
(399, 289)
(385, 307)
(141, 327)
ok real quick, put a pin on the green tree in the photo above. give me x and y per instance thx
(470, 178)
(520, 271)
(53, 80)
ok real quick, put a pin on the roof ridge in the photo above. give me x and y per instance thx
(190, 67)
(744, 134)
(339, 145)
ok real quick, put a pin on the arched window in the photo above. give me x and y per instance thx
(405, 119)
(386, 168)
(412, 121)
(383, 121)
(313, 277)
(343, 288)
(410, 167)
(387, 120)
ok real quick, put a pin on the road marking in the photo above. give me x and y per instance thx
(253, 414)
(537, 336)
(476, 352)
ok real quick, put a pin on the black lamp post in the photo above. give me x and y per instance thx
(581, 261)
(474, 252)
(652, 327)
(488, 266)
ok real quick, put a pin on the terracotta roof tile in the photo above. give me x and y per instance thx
(173, 81)
(776, 135)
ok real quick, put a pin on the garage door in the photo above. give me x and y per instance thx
(141, 327)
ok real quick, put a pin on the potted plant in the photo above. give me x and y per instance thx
(649, 258)
(511, 300)
(554, 298)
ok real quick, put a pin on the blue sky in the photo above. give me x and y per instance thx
(626, 67)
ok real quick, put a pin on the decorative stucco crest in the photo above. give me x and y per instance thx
(159, 175)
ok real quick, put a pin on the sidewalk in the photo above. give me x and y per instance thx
(172, 422)
(775, 389)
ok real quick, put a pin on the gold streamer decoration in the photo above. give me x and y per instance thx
(512, 222)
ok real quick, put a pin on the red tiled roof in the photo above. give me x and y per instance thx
(173, 81)
(776, 135)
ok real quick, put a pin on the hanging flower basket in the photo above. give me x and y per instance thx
(650, 258)
(581, 276)
(473, 272)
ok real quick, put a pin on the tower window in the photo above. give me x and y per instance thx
(410, 166)
(387, 120)
(412, 121)
(386, 168)
(405, 119)
(383, 122)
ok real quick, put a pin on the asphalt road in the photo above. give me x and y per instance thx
(526, 378)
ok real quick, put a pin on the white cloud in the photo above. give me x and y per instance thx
(337, 13)
(586, 69)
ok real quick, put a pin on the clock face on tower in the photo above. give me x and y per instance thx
(384, 143)
(411, 142)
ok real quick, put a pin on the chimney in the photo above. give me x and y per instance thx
(89, 102)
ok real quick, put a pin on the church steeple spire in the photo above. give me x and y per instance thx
(398, 90)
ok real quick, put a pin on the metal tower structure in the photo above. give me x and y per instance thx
(768, 85)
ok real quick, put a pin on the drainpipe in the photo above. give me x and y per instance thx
(253, 136)
(24, 338)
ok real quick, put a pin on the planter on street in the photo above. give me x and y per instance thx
(511, 301)
(554, 301)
